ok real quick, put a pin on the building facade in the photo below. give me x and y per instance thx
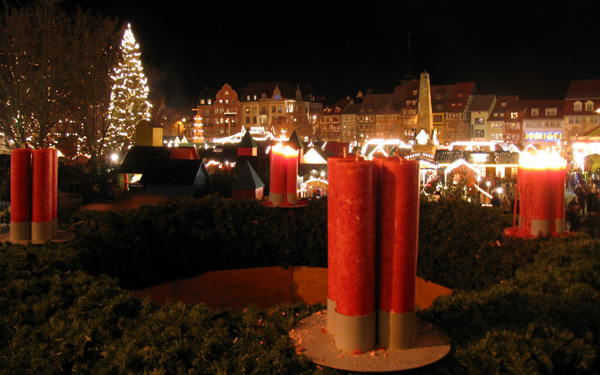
(280, 108)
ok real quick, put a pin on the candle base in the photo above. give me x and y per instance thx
(331, 313)
(292, 198)
(559, 226)
(540, 227)
(276, 198)
(355, 333)
(396, 330)
(20, 231)
(41, 231)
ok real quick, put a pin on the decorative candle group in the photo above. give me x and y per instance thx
(541, 195)
(34, 189)
(373, 215)
(284, 175)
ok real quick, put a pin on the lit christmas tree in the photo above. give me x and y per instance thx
(129, 97)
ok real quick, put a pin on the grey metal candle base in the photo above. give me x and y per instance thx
(276, 198)
(559, 225)
(540, 227)
(292, 198)
(41, 231)
(313, 341)
(331, 316)
(20, 231)
(355, 333)
(396, 330)
(61, 236)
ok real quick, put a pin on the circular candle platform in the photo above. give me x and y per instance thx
(61, 236)
(312, 339)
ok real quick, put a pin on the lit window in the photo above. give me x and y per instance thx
(550, 111)
(589, 106)
(514, 115)
(534, 111)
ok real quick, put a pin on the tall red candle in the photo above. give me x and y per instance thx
(54, 191)
(540, 201)
(41, 204)
(399, 233)
(356, 218)
(277, 175)
(291, 174)
(558, 199)
(20, 194)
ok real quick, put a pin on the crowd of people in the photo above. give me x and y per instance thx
(583, 210)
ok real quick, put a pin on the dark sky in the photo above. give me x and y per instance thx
(530, 49)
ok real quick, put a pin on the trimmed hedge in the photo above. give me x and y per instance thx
(526, 307)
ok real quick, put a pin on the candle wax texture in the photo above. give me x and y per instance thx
(42, 186)
(399, 232)
(357, 184)
(20, 185)
(277, 173)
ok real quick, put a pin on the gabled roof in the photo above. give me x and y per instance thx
(376, 103)
(351, 109)
(460, 96)
(185, 153)
(247, 141)
(584, 89)
(295, 142)
(288, 90)
(137, 158)
(172, 172)
(247, 179)
(483, 103)
(541, 106)
(501, 106)
(440, 97)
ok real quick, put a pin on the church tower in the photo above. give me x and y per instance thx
(424, 131)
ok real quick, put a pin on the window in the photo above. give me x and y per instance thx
(437, 118)
(535, 111)
(514, 115)
(550, 111)
(577, 106)
(478, 121)
(589, 106)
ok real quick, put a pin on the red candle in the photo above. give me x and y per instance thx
(277, 176)
(41, 203)
(399, 233)
(357, 183)
(54, 191)
(20, 185)
(558, 199)
(291, 174)
(20, 194)
(540, 201)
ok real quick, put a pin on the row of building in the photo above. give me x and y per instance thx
(443, 113)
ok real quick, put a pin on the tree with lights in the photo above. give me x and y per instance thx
(129, 96)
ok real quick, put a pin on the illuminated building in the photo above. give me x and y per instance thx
(280, 107)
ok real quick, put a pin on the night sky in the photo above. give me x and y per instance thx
(530, 49)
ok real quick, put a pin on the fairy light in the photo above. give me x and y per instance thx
(129, 95)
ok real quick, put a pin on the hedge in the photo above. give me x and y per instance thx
(526, 306)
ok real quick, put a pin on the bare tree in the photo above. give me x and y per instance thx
(53, 74)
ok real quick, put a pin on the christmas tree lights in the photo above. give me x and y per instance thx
(129, 96)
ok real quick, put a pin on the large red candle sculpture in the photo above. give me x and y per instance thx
(41, 204)
(541, 195)
(356, 209)
(54, 192)
(291, 175)
(20, 193)
(277, 177)
(398, 238)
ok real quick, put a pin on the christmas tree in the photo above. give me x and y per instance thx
(129, 97)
